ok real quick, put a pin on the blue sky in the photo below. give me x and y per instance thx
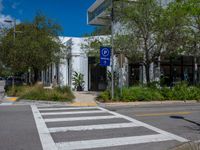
(70, 14)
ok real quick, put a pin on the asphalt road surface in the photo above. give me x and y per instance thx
(158, 127)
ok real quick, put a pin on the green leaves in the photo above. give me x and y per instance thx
(35, 46)
(78, 80)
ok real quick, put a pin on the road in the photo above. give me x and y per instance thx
(152, 127)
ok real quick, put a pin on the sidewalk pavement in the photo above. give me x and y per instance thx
(2, 84)
(85, 99)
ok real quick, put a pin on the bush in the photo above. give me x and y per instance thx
(140, 94)
(17, 90)
(180, 91)
(104, 96)
(37, 92)
(132, 94)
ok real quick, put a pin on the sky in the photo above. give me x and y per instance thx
(70, 14)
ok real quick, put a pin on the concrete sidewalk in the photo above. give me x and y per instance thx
(2, 92)
(85, 99)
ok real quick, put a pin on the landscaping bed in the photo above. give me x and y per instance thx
(181, 91)
(37, 92)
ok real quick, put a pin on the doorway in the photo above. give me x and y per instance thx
(97, 76)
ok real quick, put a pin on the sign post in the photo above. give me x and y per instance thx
(105, 53)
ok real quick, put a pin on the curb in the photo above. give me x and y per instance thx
(37, 102)
(84, 104)
(42, 102)
(145, 103)
(13, 99)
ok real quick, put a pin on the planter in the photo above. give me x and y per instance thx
(79, 88)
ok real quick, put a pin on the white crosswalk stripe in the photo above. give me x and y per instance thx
(6, 104)
(65, 108)
(111, 142)
(46, 133)
(74, 112)
(80, 118)
(93, 127)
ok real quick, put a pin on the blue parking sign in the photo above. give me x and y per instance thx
(105, 53)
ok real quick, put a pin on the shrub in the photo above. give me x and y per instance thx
(37, 92)
(104, 96)
(180, 91)
(140, 94)
(17, 90)
(132, 94)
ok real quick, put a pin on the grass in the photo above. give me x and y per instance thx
(37, 92)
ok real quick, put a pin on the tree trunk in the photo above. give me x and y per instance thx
(36, 75)
(147, 67)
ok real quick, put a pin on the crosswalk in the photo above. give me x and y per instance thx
(76, 128)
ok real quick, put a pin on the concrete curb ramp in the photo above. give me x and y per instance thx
(13, 99)
(83, 104)
(188, 146)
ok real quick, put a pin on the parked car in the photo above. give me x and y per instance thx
(1, 78)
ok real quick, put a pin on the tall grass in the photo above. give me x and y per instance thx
(37, 92)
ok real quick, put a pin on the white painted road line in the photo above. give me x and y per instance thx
(139, 123)
(80, 118)
(45, 137)
(92, 127)
(6, 104)
(72, 112)
(67, 108)
(89, 144)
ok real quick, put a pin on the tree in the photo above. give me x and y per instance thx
(34, 48)
(192, 44)
(141, 22)
(92, 44)
(101, 30)
(154, 29)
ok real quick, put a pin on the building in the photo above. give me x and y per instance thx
(171, 70)
(77, 60)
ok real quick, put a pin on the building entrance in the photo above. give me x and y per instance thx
(97, 76)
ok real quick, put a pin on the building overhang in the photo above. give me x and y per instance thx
(97, 14)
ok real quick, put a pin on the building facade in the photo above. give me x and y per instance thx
(76, 60)
(169, 70)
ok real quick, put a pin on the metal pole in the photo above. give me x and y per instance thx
(112, 54)
(14, 32)
(121, 77)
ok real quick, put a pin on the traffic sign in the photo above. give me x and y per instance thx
(105, 53)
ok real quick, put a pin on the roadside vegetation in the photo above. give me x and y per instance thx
(35, 47)
(37, 92)
(181, 91)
